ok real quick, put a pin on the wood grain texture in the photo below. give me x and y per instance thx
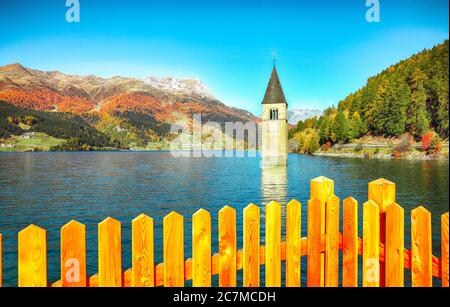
(382, 192)
(314, 264)
(109, 253)
(371, 245)
(93, 281)
(251, 258)
(332, 242)
(293, 243)
(421, 262)
(201, 249)
(321, 188)
(73, 255)
(227, 247)
(32, 257)
(142, 252)
(395, 246)
(127, 278)
(444, 250)
(350, 243)
(173, 229)
(273, 245)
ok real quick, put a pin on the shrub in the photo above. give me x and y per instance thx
(326, 146)
(307, 141)
(431, 143)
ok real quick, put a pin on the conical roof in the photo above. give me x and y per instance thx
(274, 92)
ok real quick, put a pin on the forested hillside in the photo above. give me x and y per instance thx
(411, 96)
(15, 121)
(408, 97)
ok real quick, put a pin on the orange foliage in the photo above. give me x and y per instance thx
(426, 140)
(137, 102)
(46, 100)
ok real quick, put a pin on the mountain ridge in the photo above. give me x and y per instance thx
(117, 103)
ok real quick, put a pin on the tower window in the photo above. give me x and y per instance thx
(274, 114)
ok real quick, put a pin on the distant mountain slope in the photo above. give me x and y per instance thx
(410, 96)
(59, 125)
(128, 109)
(296, 115)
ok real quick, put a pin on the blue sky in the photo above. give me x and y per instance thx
(326, 49)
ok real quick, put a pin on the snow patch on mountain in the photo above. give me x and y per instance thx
(296, 115)
(191, 86)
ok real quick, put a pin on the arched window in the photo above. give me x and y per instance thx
(274, 114)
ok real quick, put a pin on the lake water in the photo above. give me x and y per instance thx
(50, 189)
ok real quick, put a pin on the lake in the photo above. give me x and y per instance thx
(50, 189)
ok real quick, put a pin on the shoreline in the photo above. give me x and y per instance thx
(418, 157)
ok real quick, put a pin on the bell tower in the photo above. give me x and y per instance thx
(274, 124)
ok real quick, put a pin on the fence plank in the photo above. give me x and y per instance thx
(371, 244)
(382, 192)
(32, 257)
(173, 230)
(421, 262)
(395, 246)
(314, 264)
(273, 245)
(73, 255)
(321, 188)
(293, 243)
(332, 242)
(444, 250)
(143, 269)
(201, 249)
(227, 247)
(93, 281)
(251, 246)
(109, 253)
(350, 243)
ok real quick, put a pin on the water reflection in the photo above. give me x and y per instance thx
(274, 184)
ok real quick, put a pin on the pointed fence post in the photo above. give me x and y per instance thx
(109, 253)
(143, 269)
(382, 192)
(321, 189)
(73, 255)
(32, 257)
(227, 247)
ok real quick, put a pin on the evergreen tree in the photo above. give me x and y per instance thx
(417, 122)
(341, 127)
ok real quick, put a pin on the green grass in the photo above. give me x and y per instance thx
(38, 140)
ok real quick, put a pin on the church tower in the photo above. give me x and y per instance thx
(274, 124)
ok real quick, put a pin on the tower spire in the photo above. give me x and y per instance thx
(274, 91)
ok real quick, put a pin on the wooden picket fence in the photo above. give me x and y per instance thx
(382, 247)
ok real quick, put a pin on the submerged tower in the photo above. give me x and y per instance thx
(274, 124)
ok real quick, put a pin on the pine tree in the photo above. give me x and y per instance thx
(341, 127)
(417, 122)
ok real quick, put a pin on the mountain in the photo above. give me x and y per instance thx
(131, 111)
(192, 86)
(296, 115)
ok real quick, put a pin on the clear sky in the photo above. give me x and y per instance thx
(326, 49)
